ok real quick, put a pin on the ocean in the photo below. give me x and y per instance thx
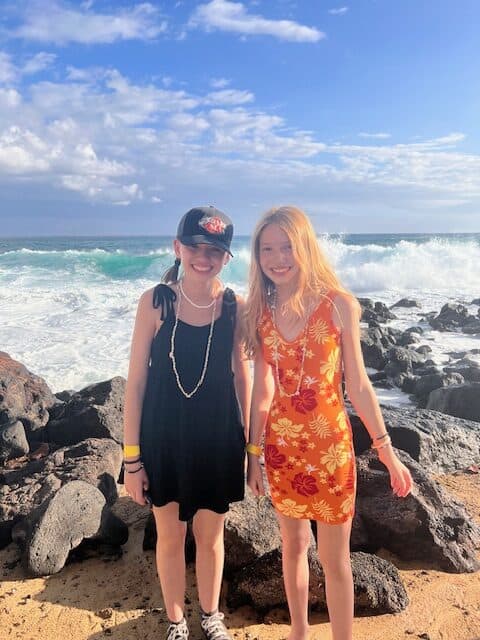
(67, 305)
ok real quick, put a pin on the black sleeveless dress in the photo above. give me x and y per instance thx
(193, 448)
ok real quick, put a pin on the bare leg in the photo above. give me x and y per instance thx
(208, 532)
(296, 536)
(171, 558)
(333, 544)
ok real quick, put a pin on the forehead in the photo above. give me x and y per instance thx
(273, 234)
(202, 245)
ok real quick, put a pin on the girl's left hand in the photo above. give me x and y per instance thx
(400, 477)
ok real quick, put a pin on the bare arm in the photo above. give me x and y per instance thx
(241, 369)
(360, 390)
(145, 327)
(262, 395)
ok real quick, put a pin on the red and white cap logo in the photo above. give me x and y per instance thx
(212, 224)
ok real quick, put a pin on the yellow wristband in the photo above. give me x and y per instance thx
(130, 450)
(254, 449)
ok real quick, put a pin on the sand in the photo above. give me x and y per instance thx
(119, 597)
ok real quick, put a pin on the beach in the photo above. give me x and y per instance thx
(69, 306)
(119, 597)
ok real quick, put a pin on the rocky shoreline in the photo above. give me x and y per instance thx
(60, 474)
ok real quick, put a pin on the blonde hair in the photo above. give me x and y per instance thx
(316, 276)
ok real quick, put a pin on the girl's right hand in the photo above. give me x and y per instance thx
(136, 484)
(254, 476)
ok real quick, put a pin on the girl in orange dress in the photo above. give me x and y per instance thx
(303, 332)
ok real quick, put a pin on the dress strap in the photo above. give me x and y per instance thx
(164, 297)
(229, 307)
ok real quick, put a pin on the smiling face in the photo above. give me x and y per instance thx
(200, 260)
(276, 256)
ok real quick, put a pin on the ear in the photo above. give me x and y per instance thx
(226, 259)
(176, 248)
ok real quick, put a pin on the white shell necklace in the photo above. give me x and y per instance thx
(194, 304)
(276, 357)
(189, 394)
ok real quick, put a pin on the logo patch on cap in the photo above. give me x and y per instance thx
(212, 224)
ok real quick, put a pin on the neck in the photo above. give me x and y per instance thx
(202, 291)
(284, 293)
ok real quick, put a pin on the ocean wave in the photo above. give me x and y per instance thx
(439, 264)
(115, 265)
(435, 264)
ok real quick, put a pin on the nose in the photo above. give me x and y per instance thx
(204, 253)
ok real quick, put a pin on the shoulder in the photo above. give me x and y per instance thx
(241, 303)
(161, 296)
(346, 308)
(146, 299)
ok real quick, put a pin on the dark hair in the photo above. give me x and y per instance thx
(171, 274)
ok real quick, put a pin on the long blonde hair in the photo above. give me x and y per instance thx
(316, 276)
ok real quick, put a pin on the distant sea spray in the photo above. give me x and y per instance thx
(68, 304)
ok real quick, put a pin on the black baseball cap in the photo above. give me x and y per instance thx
(206, 225)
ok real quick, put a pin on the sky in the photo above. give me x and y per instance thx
(117, 117)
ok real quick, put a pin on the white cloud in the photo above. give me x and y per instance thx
(229, 97)
(225, 15)
(338, 12)
(379, 136)
(9, 98)
(11, 73)
(61, 23)
(8, 71)
(219, 83)
(38, 62)
(97, 135)
(22, 152)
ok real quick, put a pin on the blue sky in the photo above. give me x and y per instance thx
(116, 117)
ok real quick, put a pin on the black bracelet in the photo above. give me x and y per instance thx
(132, 461)
(136, 470)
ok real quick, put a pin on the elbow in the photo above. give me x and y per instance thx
(359, 390)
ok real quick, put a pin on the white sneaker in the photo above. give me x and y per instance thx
(178, 631)
(213, 626)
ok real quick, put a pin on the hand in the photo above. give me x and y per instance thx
(254, 476)
(400, 477)
(136, 484)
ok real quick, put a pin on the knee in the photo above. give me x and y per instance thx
(336, 567)
(296, 545)
(206, 543)
(173, 540)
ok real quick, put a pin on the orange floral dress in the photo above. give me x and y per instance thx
(309, 454)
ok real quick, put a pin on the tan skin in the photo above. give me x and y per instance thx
(277, 262)
(201, 265)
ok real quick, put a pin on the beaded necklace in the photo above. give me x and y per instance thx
(194, 304)
(189, 394)
(276, 356)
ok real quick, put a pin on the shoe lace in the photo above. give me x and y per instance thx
(177, 631)
(214, 627)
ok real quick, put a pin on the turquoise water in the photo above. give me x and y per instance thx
(68, 304)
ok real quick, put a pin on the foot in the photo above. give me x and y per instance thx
(298, 634)
(213, 626)
(177, 631)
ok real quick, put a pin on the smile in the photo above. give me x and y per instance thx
(201, 269)
(280, 270)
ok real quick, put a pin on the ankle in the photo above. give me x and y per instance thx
(299, 632)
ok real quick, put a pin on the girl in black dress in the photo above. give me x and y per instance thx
(186, 411)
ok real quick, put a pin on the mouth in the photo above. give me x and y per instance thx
(200, 269)
(280, 271)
